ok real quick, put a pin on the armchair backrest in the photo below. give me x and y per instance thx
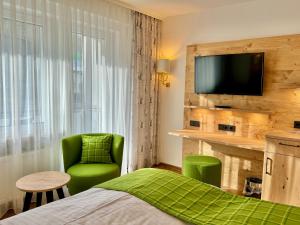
(72, 147)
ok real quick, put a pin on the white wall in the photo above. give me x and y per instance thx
(258, 18)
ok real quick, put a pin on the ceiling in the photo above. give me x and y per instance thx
(166, 8)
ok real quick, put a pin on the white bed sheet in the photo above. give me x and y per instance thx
(95, 206)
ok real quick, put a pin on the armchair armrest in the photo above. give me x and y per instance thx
(71, 147)
(117, 149)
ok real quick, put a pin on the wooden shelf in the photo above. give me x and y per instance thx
(228, 109)
(223, 139)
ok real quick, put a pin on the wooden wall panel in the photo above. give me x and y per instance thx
(281, 96)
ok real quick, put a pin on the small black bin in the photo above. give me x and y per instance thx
(252, 187)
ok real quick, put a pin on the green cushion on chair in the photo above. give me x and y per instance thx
(85, 176)
(96, 149)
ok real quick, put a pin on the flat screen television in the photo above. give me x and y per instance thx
(233, 74)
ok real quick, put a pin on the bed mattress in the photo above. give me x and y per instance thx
(95, 206)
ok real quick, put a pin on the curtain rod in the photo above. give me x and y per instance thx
(128, 6)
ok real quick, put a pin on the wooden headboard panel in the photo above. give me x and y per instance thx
(281, 96)
(281, 87)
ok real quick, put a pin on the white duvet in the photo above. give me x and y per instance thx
(95, 206)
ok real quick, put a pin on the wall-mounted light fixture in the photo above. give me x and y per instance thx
(163, 69)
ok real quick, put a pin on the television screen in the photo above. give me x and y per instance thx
(234, 74)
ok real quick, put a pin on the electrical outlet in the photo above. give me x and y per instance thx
(226, 127)
(221, 127)
(231, 128)
(194, 123)
(297, 124)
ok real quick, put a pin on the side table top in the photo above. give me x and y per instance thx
(43, 181)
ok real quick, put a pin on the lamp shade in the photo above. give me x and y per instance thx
(163, 66)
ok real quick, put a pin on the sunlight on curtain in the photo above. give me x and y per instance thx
(64, 69)
(102, 78)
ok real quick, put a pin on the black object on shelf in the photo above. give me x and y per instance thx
(223, 106)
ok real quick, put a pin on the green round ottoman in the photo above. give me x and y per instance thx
(204, 168)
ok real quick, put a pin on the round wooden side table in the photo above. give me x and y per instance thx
(47, 181)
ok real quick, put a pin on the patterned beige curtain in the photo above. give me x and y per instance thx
(145, 56)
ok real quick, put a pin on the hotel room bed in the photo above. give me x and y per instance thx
(95, 206)
(152, 196)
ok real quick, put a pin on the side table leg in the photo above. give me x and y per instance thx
(39, 199)
(27, 201)
(49, 195)
(60, 193)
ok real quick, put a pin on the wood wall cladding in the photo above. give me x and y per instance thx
(252, 125)
(281, 96)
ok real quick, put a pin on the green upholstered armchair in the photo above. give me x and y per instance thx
(85, 176)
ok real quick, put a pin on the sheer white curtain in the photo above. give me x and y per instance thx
(102, 80)
(64, 69)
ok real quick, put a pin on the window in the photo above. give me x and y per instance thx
(21, 83)
(86, 83)
(62, 75)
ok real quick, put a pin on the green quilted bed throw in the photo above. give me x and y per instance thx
(198, 203)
